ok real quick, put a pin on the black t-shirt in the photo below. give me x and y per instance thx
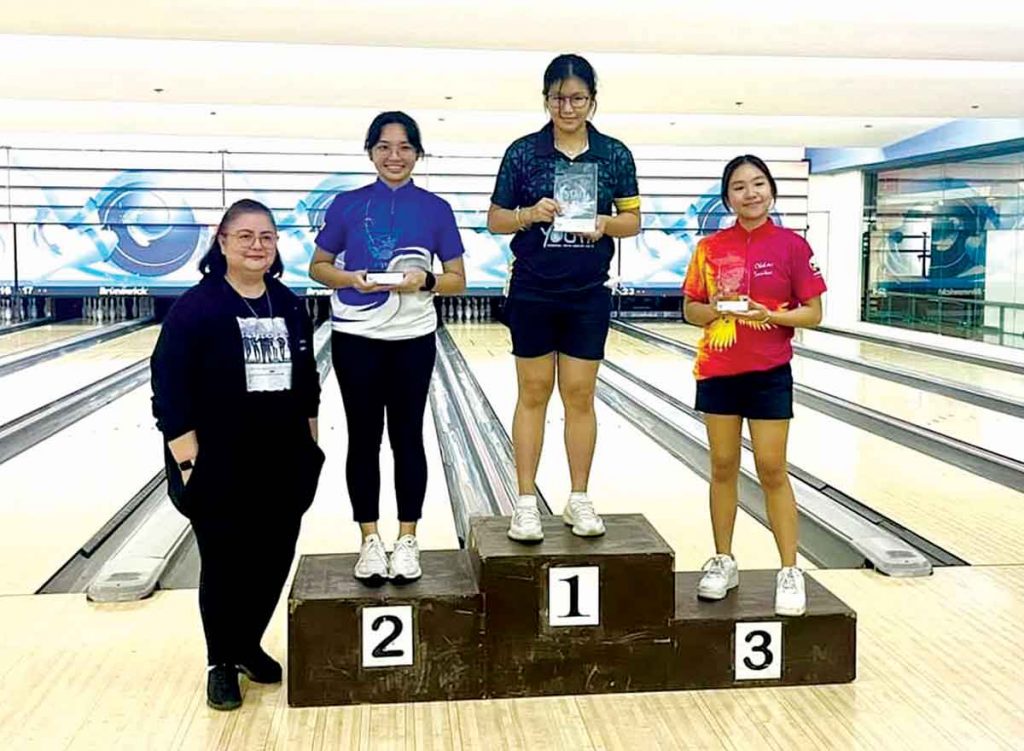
(548, 264)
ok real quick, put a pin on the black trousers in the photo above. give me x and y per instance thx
(246, 555)
(379, 377)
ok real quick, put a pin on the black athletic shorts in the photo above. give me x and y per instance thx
(761, 395)
(576, 327)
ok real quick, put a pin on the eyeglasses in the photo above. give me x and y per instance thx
(403, 149)
(576, 101)
(245, 237)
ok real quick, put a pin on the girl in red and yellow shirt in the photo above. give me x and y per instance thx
(742, 366)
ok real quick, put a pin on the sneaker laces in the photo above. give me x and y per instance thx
(788, 583)
(528, 514)
(715, 565)
(406, 547)
(583, 511)
(373, 551)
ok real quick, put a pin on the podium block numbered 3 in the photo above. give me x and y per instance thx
(568, 616)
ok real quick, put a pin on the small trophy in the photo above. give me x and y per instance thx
(731, 283)
(576, 193)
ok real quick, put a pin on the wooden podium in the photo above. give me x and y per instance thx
(567, 616)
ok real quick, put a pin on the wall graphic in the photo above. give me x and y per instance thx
(86, 221)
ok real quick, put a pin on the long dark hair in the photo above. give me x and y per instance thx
(214, 262)
(734, 164)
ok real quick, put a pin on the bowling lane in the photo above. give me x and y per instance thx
(631, 474)
(976, 519)
(966, 422)
(328, 527)
(18, 341)
(991, 379)
(58, 493)
(26, 390)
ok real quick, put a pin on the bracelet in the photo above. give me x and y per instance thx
(519, 222)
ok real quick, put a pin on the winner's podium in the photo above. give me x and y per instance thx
(567, 616)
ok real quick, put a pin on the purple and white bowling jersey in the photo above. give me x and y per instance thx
(376, 228)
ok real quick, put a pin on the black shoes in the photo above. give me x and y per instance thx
(222, 687)
(222, 690)
(261, 668)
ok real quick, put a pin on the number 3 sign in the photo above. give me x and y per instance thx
(387, 636)
(758, 651)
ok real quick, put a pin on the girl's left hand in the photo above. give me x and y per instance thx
(412, 281)
(755, 312)
(598, 233)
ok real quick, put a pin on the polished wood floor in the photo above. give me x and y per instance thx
(937, 665)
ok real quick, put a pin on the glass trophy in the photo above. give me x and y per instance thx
(731, 285)
(576, 193)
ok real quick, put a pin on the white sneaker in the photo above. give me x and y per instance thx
(720, 575)
(790, 596)
(525, 526)
(372, 566)
(405, 560)
(580, 515)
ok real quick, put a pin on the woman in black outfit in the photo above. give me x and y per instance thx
(238, 412)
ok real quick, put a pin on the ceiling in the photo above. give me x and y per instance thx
(672, 73)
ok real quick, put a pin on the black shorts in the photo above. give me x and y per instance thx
(577, 327)
(761, 395)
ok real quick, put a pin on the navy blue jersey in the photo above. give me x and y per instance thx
(550, 264)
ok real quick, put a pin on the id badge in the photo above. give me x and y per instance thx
(268, 376)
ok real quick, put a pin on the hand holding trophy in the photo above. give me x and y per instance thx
(731, 285)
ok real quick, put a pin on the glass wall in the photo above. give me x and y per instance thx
(944, 248)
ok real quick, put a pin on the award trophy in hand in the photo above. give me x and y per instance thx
(731, 284)
(576, 193)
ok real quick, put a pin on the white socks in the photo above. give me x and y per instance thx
(527, 501)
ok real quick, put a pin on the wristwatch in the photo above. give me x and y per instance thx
(429, 282)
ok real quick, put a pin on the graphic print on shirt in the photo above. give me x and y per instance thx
(726, 276)
(268, 358)
(367, 312)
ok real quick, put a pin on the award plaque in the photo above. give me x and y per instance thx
(731, 285)
(576, 194)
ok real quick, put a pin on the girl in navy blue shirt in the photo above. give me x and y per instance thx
(558, 305)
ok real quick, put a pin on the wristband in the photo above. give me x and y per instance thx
(429, 283)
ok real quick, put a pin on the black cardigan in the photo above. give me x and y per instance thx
(198, 379)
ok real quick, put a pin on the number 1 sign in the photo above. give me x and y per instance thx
(574, 596)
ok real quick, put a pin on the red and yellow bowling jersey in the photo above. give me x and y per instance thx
(777, 269)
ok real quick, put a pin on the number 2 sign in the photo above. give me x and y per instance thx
(387, 636)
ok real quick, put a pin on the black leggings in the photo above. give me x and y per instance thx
(245, 559)
(379, 376)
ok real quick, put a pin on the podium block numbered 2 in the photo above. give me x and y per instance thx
(570, 615)
(352, 644)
